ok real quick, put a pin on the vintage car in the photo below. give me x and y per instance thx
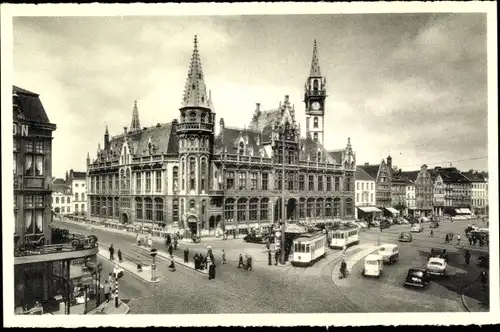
(405, 237)
(256, 238)
(384, 224)
(389, 252)
(417, 278)
(434, 224)
(483, 261)
(374, 264)
(118, 272)
(436, 266)
(416, 228)
(439, 253)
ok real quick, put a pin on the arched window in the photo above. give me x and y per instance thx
(192, 204)
(202, 116)
(159, 209)
(336, 207)
(264, 209)
(315, 85)
(241, 149)
(348, 206)
(328, 207)
(149, 208)
(192, 117)
(192, 173)
(315, 137)
(229, 209)
(302, 208)
(315, 124)
(127, 179)
(138, 208)
(175, 178)
(242, 207)
(175, 210)
(319, 207)
(203, 173)
(254, 208)
(110, 207)
(309, 208)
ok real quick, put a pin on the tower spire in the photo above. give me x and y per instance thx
(195, 90)
(315, 70)
(135, 125)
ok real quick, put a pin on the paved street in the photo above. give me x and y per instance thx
(270, 289)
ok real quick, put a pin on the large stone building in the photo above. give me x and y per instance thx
(479, 191)
(181, 175)
(423, 192)
(41, 269)
(438, 200)
(457, 190)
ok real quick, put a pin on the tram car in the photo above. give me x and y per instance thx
(308, 248)
(344, 236)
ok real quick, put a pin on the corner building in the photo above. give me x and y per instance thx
(182, 176)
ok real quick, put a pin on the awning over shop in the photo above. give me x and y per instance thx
(463, 211)
(392, 210)
(369, 209)
(293, 228)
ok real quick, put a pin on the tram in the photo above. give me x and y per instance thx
(344, 236)
(308, 248)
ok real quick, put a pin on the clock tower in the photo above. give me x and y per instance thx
(314, 98)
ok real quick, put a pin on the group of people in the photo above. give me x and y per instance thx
(245, 263)
(112, 254)
(205, 263)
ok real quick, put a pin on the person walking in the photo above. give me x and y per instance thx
(119, 255)
(269, 258)
(223, 256)
(344, 250)
(175, 243)
(240, 261)
(276, 257)
(186, 255)
(170, 251)
(249, 263)
(458, 239)
(171, 267)
(467, 257)
(111, 253)
(107, 290)
(432, 233)
(211, 271)
(484, 279)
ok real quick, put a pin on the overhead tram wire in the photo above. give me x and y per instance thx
(446, 162)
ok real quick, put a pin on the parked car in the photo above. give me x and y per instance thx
(416, 228)
(384, 224)
(405, 237)
(439, 253)
(436, 265)
(483, 261)
(362, 224)
(389, 252)
(417, 278)
(256, 238)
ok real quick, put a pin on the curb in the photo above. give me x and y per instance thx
(464, 303)
(338, 260)
(95, 311)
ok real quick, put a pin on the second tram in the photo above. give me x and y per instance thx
(308, 248)
(344, 236)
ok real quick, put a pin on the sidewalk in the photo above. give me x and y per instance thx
(354, 255)
(474, 299)
(108, 308)
(177, 260)
(144, 275)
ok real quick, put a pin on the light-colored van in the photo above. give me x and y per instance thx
(373, 265)
(389, 252)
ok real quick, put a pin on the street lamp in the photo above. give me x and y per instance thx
(283, 213)
(153, 254)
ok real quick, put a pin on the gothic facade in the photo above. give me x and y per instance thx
(182, 175)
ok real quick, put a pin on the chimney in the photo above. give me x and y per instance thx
(258, 108)
(124, 130)
(366, 164)
(389, 162)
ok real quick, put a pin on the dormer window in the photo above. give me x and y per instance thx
(241, 149)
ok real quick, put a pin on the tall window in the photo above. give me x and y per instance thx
(337, 183)
(253, 181)
(302, 208)
(315, 122)
(69, 200)
(301, 182)
(309, 207)
(110, 183)
(243, 180)
(138, 183)
(348, 206)
(110, 207)
(175, 210)
(116, 207)
(117, 183)
(265, 181)
(83, 196)
(319, 207)
(104, 182)
(290, 181)
(328, 183)
(278, 184)
(264, 209)
(127, 179)
(138, 208)
(203, 174)
(149, 208)
(254, 208)
(98, 182)
(336, 207)
(34, 158)
(230, 180)
(241, 149)
(192, 174)
(33, 214)
(315, 137)
(159, 209)
(76, 196)
(311, 182)
(328, 207)
(192, 117)
(148, 182)
(183, 178)
(57, 200)
(242, 206)
(175, 178)
(62, 200)
(158, 181)
(320, 182)
(347, 183)
(229, 209)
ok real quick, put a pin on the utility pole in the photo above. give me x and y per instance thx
(283, 212)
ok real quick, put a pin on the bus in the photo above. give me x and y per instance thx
(344, 236)
(308, 248)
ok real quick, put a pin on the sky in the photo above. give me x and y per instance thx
(410, 85)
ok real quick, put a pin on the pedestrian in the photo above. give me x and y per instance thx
(249, 263)
(110, 278)
(447, 238)
(470, 240)
(467, 257)
(211, 271)
(209, 250)
(119, 255)
(223, 256)
(234, 234)
(107, 290)
(240, 261)
(175, 244)
(111, 253)
(171, 267)
(276, 257)
(344, 249)
(186, 255)
(196, 262)
(269, 258)
(458, 240)
(432, 233)
(170, 251)
(484, 279)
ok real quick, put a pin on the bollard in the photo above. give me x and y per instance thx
(116, 292)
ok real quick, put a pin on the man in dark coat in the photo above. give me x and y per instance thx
(111, 253)
(240, 261)
(196, 262)
(211, 271)
(467, 257)
(170, 250)
(119, 255)
(186, 255)
(276, 257)
(269, 258)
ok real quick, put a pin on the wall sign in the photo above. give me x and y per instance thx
(20, 129)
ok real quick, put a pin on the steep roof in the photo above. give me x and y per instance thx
(451, 175)
(474, 177)
(315, 69)
(195, 90)
(31, 106)
(362, 175)
(229, 137)
(410, 175)
(336, 155)
(78, 175)
(371, 170)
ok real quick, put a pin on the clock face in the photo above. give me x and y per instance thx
(315, 106)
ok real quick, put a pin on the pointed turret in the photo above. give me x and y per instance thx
(135, 125)
(195, 91)
(315, 70)
(88, 158)
(106, 139)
